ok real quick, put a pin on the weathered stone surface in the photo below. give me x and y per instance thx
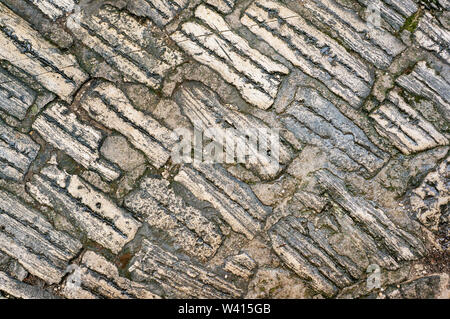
(375, 45)
(89, 209)
(360, 233)
(15, 96)
(17, 151)
(158, 204)
(108, 105)
(315, 120)
(204, 110)
(54, 8)
(61, 128)
(405, 127)
(234, 200)
(26, 49)
(320, 152)
(433, 37)
(117, 150)
(256, 76)
(309, 49)
(125, 44)
(430, 200)
(96, 277)
(395, 12)
(22, 290)
(160, 11)
(424, 81)
(402, 245)
(241, 265)
(179, 278)
(223, 6)
(28, 237)
(427, 287)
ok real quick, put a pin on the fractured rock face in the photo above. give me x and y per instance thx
(160, 11)
(26, 49)
(373, 44)
(309, 49)
(203, 108)
(241, 265)
(394, 12)
(315, 120)
(223, 6)
(28, 237)
(61, 128)
(162, 208)
(15, 96)
(432, 197)
(19, 289)
(125, 44)
(360, 234)
(423, 81)
(405, 127)
(256, 76)
(108, 105)
(179, 278)
(313, 134)
(96, 277)
(17, 151)
(54, 9)
(89, 209)
(431, 36)
(233, 199)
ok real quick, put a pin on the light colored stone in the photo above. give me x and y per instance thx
(17, 151)
(256, 76)
(405, 127)
(26, 49)
(28, 237)
(118, 150)
(309, 49)
(159, 205)
(108, 105)
(61, 128)
(96, 277)
(87, 208)
(122, 41)
(178, 278)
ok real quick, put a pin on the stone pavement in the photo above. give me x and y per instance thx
(93, 204)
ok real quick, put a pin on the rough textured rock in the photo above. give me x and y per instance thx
(160, 11)
(55, 8)
(17, 151)
(108, 105)
(321, 172)
(309, 49)
(179, 278)
(61, 128)
(18, 289)
(431, 36)
(25, 48)
(204, 109)
(431, 199)
(122, 41)
(234, 200)
(256, 76)
(159, 205)
(15, 97)
(28, 237)
(423, 81)
(314, 120)
(95, 277)
(405, 127)
(90, 210)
